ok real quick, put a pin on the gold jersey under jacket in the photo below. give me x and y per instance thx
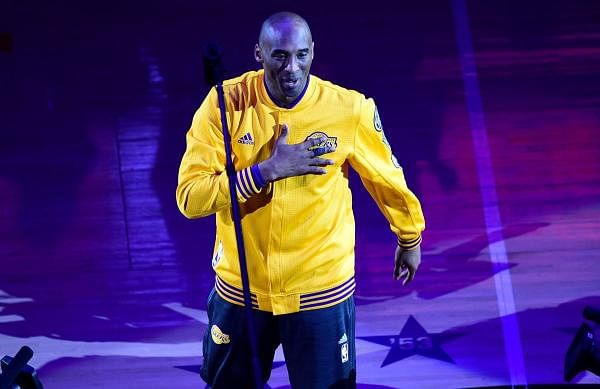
(298, 231)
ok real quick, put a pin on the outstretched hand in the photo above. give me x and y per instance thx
(406, 264)
(296, 159)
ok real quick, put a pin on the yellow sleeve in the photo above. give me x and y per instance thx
(202, 185)
(383, 177)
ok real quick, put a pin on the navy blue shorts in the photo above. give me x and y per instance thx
(318, 346)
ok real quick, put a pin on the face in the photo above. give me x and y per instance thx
(286, 53)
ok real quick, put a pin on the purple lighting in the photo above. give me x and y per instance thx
(487, 184)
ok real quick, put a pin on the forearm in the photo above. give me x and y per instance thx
(384, 179)
(203, 194)
(400, 207)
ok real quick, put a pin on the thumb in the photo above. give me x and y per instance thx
(283, 136)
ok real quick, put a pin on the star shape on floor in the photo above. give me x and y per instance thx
(413, 339)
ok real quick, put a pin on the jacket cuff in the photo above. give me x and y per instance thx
(410, 244)
(247, 183)
(258, 178)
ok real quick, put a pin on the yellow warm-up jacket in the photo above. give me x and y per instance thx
(298, 231)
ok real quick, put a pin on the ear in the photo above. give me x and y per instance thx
(258, 54)
(313, 51)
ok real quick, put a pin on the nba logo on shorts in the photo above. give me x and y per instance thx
(344, 349)
(344, 352)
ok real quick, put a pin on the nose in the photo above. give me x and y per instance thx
(292, 65)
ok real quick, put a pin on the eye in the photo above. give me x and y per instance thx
(279, 56)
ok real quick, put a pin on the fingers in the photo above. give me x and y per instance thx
(318, 146)
(321, 162)
(312, 142)
(404, 272)
(410, 275)
(311, 146)
(315, 170)
(317, 151)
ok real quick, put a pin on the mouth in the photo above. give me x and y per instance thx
(289, 83)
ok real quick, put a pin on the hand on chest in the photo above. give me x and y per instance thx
(255, 135)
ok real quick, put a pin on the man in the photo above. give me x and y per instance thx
(294, 136)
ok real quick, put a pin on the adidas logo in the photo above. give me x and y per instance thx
(343, 339)
(246, 139)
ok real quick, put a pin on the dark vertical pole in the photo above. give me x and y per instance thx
(214, 73)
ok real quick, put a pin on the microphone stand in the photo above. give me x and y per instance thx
(214, 72)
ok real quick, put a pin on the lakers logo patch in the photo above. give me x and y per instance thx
(329, 143)
(218, 336)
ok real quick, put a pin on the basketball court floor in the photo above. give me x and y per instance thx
(491, 108)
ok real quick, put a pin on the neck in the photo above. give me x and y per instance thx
(286, 104)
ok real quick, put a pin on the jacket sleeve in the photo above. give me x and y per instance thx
(202, 185)
(383, 177)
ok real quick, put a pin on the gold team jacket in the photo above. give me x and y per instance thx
(298, 231)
